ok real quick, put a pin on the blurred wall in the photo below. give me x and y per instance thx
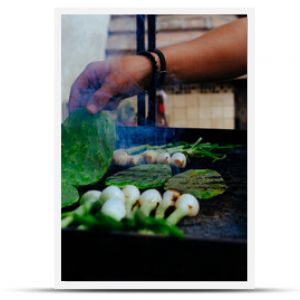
(83, 41)
(188, 105)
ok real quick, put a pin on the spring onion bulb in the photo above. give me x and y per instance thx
(150, 156)
(135, 159)
(89, 198)
(132, 195)
(111, 192)
(66, 221)
(178, 160)
(120, 157)
(114, 208)
(149, 200)
(82, 227)
(163, 158)
(87, 202)
(186, 205)
(168, 200)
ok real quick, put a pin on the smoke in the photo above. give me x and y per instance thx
(134, 136)
(83, 39)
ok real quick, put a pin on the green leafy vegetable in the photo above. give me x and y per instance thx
(142, 176)
(69, 195)
(186, 206)
(202, 183)
(87, 145)
(159, 226)
(139, 223)
(98, 222)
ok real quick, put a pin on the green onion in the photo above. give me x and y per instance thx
(186, 205)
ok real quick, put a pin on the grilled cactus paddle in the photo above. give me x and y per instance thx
(142, 176)
(202, 183)
(87, 145)
(69, 195)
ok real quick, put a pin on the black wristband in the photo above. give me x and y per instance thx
(148, 55)
(163, 65)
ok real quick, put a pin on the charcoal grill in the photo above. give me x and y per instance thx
(215, 247)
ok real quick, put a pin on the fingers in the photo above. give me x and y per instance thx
(75, 95)
(87, 91)
(113, 103)
(100, 99)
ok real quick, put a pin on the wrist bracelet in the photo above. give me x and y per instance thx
(154, 74)
(163, 65)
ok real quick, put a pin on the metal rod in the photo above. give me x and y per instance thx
(151, 120)
(140, 46)
(151, 32)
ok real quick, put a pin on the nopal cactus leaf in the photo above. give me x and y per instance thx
(87, 146)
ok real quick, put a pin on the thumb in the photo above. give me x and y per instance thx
(100, 99)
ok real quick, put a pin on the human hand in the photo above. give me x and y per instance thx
(103, 84)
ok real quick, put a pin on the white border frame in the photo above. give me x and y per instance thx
(163, 285)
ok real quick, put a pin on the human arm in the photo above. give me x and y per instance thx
(219, 54)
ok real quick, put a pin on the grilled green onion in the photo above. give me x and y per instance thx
(186, 205)
(168, 200)
(114, 208)
(132, 195)
(149, 201)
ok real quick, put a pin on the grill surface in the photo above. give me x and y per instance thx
(218, 234)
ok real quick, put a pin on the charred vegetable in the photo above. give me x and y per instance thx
(135, 160)
(202, 183)
(149, 201)
(168, 200)
(186, 205)
(150, 156)
(69, 195)
(178, 160)
(163, 158)
(197, 149)
(132, 194)
(111, 209)
(120, 157)
(142, 176)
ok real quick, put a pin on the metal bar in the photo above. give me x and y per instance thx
(151, 120)
(140, 46)
(151, 32)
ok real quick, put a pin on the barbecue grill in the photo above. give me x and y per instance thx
(215, 246)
